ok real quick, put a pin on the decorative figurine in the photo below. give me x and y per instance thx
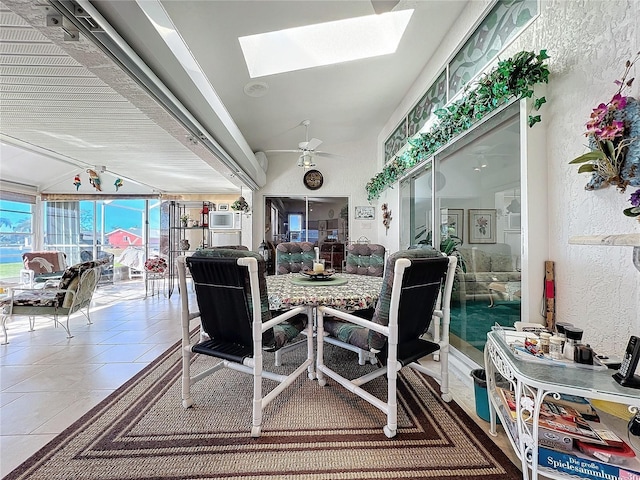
(94, 179)
(118, 183)
(77, 182)
(386, 217)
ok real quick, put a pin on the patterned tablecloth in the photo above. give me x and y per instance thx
(359, 292)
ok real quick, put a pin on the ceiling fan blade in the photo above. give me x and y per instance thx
(312, 144)
(328, 155)
(282, 151)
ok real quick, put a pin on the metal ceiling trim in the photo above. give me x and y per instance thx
(94, 27)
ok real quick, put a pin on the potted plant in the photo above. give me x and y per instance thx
(184, 219)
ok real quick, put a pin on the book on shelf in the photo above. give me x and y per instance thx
(576, 463)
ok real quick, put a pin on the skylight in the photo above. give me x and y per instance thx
(324, 43)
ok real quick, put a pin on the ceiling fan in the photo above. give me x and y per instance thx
(307, 149)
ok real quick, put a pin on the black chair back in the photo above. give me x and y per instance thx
(421, 286)
(223, 292)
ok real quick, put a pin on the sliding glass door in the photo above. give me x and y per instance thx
(466, 202)
(125, 231)
(323, 221)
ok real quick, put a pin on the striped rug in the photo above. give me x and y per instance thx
(142, 432)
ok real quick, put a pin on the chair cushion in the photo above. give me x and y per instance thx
(365, 259)
(44, 262)
(155, 265)
(31, 298)
(283, 332)
(294, 256)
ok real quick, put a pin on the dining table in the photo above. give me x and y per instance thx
(341, 290)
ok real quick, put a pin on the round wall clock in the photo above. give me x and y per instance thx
(313, 179)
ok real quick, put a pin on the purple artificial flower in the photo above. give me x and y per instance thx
(599, 112)
(612, 131)
(618, 102)
(635, 198)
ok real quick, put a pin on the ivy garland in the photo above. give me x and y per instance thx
(512, 78)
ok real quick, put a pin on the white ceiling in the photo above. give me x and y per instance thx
(75, 108)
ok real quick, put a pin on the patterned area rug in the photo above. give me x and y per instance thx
(141, 431)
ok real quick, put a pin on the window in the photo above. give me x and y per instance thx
(90, 229)
(16, 237)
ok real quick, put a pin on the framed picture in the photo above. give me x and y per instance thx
(454, 222)
(365, 213)
(322, 225)
(223, 207)
(482, 225)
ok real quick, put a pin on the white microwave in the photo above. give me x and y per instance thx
(225, 220)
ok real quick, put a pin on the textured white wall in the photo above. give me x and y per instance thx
(344, 177)
(589, 41)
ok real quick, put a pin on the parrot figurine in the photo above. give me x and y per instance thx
(94, 179)
(118, 183)
(77, 182)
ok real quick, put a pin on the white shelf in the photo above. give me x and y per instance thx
(625, 239)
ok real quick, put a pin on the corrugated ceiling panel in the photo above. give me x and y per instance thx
(48, 99)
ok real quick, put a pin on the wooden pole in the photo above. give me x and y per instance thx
(550, 294)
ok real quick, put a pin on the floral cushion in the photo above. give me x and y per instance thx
(155, 265)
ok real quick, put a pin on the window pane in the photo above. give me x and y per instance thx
(16, 237)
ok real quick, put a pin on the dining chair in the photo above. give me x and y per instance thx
(236, 324)
(293, 257)
(416, 290)
(362, 259)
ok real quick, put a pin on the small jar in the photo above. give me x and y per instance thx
(544, 342)
(555, 347)
(574, 337)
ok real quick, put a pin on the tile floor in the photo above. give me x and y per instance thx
(48, 381)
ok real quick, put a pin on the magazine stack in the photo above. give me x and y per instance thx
(575, 439)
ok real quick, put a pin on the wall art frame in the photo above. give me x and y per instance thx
(365, 213)
(482, 225)
(455, 222)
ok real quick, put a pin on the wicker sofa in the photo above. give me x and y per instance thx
(485, 265)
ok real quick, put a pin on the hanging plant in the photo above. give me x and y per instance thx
(512, 78)
(240, 205)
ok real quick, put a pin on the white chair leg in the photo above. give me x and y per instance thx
(187, 401)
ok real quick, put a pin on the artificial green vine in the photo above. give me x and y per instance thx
(512, 78)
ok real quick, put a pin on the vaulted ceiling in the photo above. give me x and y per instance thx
(68, 105)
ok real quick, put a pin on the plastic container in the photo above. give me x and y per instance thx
(480, 391)
(555, 347)
(545, 338)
